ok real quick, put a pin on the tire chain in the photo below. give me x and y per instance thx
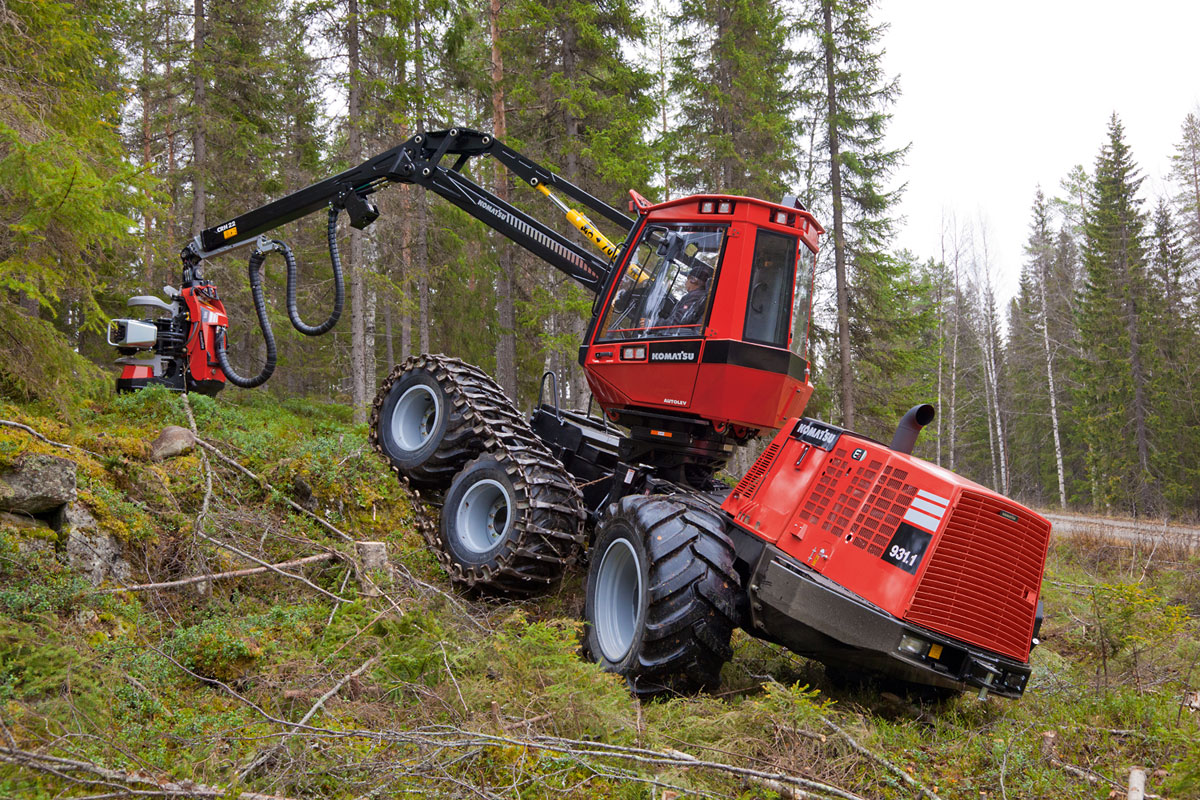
(540, 554)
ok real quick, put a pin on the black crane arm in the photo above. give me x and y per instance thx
(419, 161)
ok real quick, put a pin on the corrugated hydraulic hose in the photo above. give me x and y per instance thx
(339, 291)
(260, 306)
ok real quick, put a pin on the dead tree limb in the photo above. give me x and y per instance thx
(239, 573)
(925, 791)
(266, 484)
(102, 776)
(270, 567)
(51, 442)
(267, 754)
(1051, 754)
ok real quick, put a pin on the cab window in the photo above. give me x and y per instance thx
(666, 288)
(772, 276)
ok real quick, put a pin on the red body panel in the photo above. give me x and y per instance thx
(206, 313)
(919, 542)
(720, 392)
(132, 372)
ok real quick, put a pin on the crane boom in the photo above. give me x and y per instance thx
(418, 161)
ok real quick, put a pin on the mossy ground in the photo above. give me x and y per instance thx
(185, 684)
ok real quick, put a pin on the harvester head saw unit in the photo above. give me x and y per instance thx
(176, 347)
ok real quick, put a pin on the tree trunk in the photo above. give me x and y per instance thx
(199, 143)
(506, 343)
(839, 233)
(954, 362)
(1140, 406)
(389, 344)
(147, 216)
(1058, 453)
(421, 243)
(358, 364)
(941, 334)
(406, 254)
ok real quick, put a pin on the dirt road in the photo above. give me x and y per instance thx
(1123, 529)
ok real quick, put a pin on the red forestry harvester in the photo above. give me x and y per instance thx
(837, 546)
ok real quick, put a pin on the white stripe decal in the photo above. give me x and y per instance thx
(937, 511)
(922, 520)
(931, 496)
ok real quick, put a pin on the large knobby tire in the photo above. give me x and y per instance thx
(662, 595)
(421, 430)
(506, 535)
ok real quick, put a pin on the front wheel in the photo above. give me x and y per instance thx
(662, 595)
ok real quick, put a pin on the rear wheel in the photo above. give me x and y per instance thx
(420, 430)
(662, 595)
(504, 534)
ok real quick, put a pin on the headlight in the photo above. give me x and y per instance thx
(913, 645)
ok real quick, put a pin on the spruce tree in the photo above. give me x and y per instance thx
(737, 130)
(1185, 170)
(844, 82)
(67, 190)
(578, 104)
(1034, 367)
(1176, 422)
(1112, 397)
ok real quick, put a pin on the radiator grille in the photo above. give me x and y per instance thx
(983, 578)
(748, 485)
(834, 501)
(883, 511)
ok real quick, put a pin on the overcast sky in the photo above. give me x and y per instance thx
(998, 98)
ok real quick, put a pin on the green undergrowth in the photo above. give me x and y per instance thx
(461, 696)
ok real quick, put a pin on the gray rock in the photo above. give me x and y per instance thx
(33, 535)
(77, 517)
(173, 441)
(37, 484)
(23, 522)
(96, 554)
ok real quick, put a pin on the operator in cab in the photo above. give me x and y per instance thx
(690, 308)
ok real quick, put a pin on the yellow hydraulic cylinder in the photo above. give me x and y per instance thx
(581, 222)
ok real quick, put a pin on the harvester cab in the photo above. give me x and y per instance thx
(722, 351)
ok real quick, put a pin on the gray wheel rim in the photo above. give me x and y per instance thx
(484, 517)
(618, 599)
(415, 418)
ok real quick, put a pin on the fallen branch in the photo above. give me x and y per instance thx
(271, 567)
(267, 754)
(239, 573)
(156, 787)
(50, 442)
(878, 759)
(265, 483)
(450, 737)
(334, 529)
(1051, 755)
(203, 513)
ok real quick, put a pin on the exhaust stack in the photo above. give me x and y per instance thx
(910, 427)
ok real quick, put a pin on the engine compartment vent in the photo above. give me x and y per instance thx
(984, 576)
(748, 485)
(883, 511)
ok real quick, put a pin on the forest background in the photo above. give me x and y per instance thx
(127, 126)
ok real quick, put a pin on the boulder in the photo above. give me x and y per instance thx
(172, 441)
(91, 551)
(34, 535)
(37, 484)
